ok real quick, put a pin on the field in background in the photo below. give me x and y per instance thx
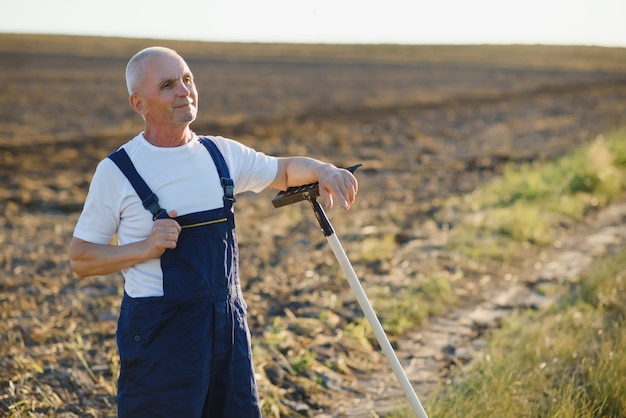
(429, 123)
(82, 79)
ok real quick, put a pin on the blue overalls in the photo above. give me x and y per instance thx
(187, 354)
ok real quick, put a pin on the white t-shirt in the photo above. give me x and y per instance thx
(184, 179)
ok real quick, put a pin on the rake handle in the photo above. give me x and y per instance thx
(367, 309)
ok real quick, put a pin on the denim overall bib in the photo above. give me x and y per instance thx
(187, 353)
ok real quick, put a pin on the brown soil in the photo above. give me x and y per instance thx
(425, 129)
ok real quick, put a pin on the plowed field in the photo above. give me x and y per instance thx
(427, 123)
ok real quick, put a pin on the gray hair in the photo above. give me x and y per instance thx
(135, 67)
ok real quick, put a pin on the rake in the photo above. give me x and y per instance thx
(310, 192)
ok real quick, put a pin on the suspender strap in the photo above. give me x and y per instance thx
(222, 169)
(149, 200)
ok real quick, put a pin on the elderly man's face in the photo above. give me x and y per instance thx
(168, 95)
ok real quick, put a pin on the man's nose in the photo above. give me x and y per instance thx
(183, 89)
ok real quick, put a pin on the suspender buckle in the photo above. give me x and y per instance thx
(229, 188)
(151, 203)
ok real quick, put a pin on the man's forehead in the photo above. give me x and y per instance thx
(167, 67)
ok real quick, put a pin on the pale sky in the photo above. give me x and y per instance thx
(561, 22)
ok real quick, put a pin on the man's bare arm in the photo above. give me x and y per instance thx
(91, 259)
(334, 182)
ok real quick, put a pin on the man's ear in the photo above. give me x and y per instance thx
(136, 102)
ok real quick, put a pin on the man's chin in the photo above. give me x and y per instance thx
(188, 117)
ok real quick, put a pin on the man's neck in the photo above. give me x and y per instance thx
(173, 137)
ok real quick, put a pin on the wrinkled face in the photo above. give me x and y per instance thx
(167, 94)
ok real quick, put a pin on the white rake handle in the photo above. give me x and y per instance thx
(379, 332)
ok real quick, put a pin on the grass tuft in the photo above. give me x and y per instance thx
(401, 310)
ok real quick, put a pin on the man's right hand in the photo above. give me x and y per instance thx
(164, 235)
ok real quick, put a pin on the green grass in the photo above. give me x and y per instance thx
(568, 361)
(529, 202)
(592, 174)
(401, 310)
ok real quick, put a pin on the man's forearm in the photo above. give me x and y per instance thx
(296, 171)
(89, 259)
(333, 181)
